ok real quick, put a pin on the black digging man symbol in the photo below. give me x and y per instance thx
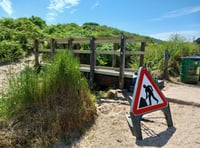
(149, 94)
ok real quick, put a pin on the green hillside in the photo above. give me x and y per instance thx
(42, 109)
(17, 35)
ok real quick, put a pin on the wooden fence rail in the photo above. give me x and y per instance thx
(93, 52)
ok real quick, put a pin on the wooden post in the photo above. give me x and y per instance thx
(122, 62)
(166, 59)
(142, 55)
(92, 62)
(36, 48)
(70, 43)
(52, 45)
(78, 47)
(114, 55)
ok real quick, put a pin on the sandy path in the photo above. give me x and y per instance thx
(111, 129)
(183, 92)
(8, 70)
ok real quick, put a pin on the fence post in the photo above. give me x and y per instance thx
(166, 59)
(52, 45)
(122, 61)
(70, 43)
(36, 48)
(114, 55)
(142, 55)
(92, 62)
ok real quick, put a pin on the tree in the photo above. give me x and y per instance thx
(90, 24)
(197, 40)
(38, 22)
(177, 38)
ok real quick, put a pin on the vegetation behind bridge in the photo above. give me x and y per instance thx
(38, 109)
(17, 35)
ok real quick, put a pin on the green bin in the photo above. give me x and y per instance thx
(189, 69)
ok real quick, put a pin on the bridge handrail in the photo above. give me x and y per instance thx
(122, 52)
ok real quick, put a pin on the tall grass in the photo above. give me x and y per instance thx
(52, 103)
(176, 49)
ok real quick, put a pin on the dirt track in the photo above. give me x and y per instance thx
(111, 129)
(11, 69)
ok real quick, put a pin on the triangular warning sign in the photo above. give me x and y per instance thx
(147, 96)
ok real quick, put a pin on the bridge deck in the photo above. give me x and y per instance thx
(110, 72)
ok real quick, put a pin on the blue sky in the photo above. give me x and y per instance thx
(156, 18)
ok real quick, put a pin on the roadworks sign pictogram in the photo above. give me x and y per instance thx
(147, 97)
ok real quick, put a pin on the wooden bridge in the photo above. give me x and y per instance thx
(118, 77)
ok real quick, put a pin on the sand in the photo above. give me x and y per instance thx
(111, 129)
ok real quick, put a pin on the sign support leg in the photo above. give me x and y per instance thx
(136, 126)
(168, 116)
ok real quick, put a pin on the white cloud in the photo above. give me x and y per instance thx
(178, 12)
(51, 16)
(189, 35)
(6, 6)
(73, 11)
(96, 4)
(57, 6)
(60, 5)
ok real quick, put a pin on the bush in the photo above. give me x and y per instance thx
(177, 49)
(10, 51)
(50, 104)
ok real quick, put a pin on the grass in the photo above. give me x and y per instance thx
(43, 108)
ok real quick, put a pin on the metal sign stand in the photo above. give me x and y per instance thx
(135, 126)
(146, 88)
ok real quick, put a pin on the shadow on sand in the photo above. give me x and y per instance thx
(157, 140)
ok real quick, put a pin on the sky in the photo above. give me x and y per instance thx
(156, 18)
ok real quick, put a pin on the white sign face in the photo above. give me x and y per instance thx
(148, 94)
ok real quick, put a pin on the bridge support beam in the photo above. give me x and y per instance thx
(122, 62)
(92, 62)
(70, 43)
(52, 47)
(36, 48)
(142, 55)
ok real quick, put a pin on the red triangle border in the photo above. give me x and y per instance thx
(135, 109)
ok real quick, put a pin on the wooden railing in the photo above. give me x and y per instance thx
(93, 52)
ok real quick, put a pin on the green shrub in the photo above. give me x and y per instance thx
(49, 104)
(10, 51)
(177, 49)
